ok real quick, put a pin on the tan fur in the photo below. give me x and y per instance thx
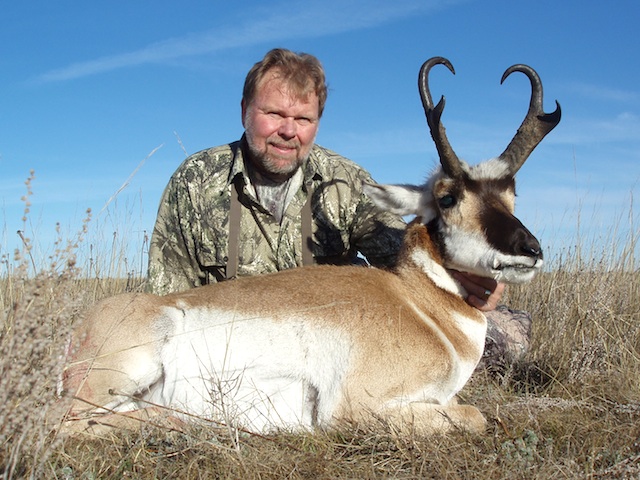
(392, 346)
(317, 346)
(393, 352)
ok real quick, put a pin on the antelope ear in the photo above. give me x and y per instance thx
(398, 199)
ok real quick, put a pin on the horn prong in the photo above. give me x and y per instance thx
(536, 124)
(448, 158)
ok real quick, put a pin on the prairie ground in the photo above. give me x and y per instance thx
(569, 409)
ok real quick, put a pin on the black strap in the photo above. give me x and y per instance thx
(307, 232)
(235, 214)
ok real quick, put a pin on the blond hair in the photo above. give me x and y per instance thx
(302, 72)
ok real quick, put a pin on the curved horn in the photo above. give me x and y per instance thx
(448, 158)
(534, 126)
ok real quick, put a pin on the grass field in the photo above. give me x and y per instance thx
(569, 409)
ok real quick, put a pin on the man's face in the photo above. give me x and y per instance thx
(280, 127)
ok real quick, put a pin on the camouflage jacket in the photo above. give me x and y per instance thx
(189, 244)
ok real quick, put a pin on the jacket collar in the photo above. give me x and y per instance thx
(239, 169)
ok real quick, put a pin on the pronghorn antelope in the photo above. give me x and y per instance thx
(318, 345)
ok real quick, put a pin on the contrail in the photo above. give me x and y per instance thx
(305, 20)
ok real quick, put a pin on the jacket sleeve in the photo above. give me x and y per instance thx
(173, 265)
(364, 228)
(376, 233)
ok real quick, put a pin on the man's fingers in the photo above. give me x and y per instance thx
(483, 293)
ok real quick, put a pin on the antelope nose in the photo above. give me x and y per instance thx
(531, 248)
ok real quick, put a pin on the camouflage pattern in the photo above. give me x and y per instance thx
(189, 245)
(508, 339)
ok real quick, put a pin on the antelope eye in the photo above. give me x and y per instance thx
(447, 201)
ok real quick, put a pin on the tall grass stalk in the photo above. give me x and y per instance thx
(569, 409)
(41, 297)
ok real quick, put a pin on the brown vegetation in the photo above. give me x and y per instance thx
(569, 409)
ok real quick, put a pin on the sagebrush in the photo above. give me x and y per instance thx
(569, 409)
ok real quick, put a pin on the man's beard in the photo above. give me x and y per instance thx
(271, 165)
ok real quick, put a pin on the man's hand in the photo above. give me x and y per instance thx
(484, 293)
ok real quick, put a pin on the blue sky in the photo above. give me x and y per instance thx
(102, 98)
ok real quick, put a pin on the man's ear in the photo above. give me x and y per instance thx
(243, 109)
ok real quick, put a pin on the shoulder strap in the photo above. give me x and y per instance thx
(307, 232)
(235, 213)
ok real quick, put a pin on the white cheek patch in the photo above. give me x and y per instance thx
(470, 252)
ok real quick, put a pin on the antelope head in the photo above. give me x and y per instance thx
(468, 210)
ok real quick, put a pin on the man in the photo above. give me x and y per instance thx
(274, 199)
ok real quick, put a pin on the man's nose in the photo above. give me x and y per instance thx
(287, 127)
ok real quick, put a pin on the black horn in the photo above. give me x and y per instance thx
(534, 126)
(448, 158)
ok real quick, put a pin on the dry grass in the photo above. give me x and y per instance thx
(570, 409)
